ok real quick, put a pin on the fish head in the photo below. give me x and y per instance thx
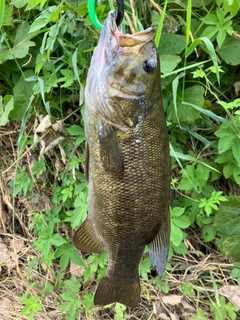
(124, 76)
(125, 64)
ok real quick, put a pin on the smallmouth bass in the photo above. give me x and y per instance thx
(128, 163)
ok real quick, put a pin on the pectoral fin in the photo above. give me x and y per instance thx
(110, 150)
(158, 249)
(85, 240)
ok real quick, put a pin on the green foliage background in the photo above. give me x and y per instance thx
(45, 51)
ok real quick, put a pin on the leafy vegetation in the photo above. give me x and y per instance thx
(45, 51)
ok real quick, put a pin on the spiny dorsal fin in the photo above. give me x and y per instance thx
(85, 240)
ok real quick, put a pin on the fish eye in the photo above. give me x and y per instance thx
(149, 65)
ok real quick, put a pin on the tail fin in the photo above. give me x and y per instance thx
(125, 293)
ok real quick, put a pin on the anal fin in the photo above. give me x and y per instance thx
(158, 249)
(126, 293)
(85, 240)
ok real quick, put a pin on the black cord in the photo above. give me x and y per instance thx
(120, 14)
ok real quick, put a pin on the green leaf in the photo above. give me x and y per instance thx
(32, 305)
(79, 214)
(198, 74)
(227, 223)
(230, 51)
(236, 174)
(208, 233)
(75, 130)
(224, 144)
(67, 252)
(185, 113)
(231, 6)
(181, 248)
(67, 79)
(176, 235)
(41, 21)
(6, 105)
(21, 45)
(47, 238)
(7, 18)
(210, 19)
(32, 4)
(171, 44)
(221, 36)
(209, 32)
(236, 149)
(19, 3)
(177, 212)
(181, 222)
(22, 93)
(169, 62)
(230, 247)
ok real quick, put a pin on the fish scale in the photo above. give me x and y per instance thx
(128, 163)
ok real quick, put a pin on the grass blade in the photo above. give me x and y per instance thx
(160, 26)
(2, 11)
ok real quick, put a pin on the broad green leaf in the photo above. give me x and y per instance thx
(202, 174)
(176, 235)
(210, 31)
(7, 19)
(177, 212)
(231, 6)
(19, 3)
(21, 45)
(75, 130)
(181, 222)
(230, 51)
(208, 233)
(210, 19)
(227, 219)
(230, 247)
(236, 174)
(171, 44)
(181, 248)
(224, 143)
(184, 112)
(236, 149)
(221, 36)
(169, 63)
(32, 4)
(22, 93)
(41, 21)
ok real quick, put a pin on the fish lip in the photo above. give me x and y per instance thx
(110, 32)
(115, 40)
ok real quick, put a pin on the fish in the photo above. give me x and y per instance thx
(127, 162)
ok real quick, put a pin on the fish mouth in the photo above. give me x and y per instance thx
(115, 42)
